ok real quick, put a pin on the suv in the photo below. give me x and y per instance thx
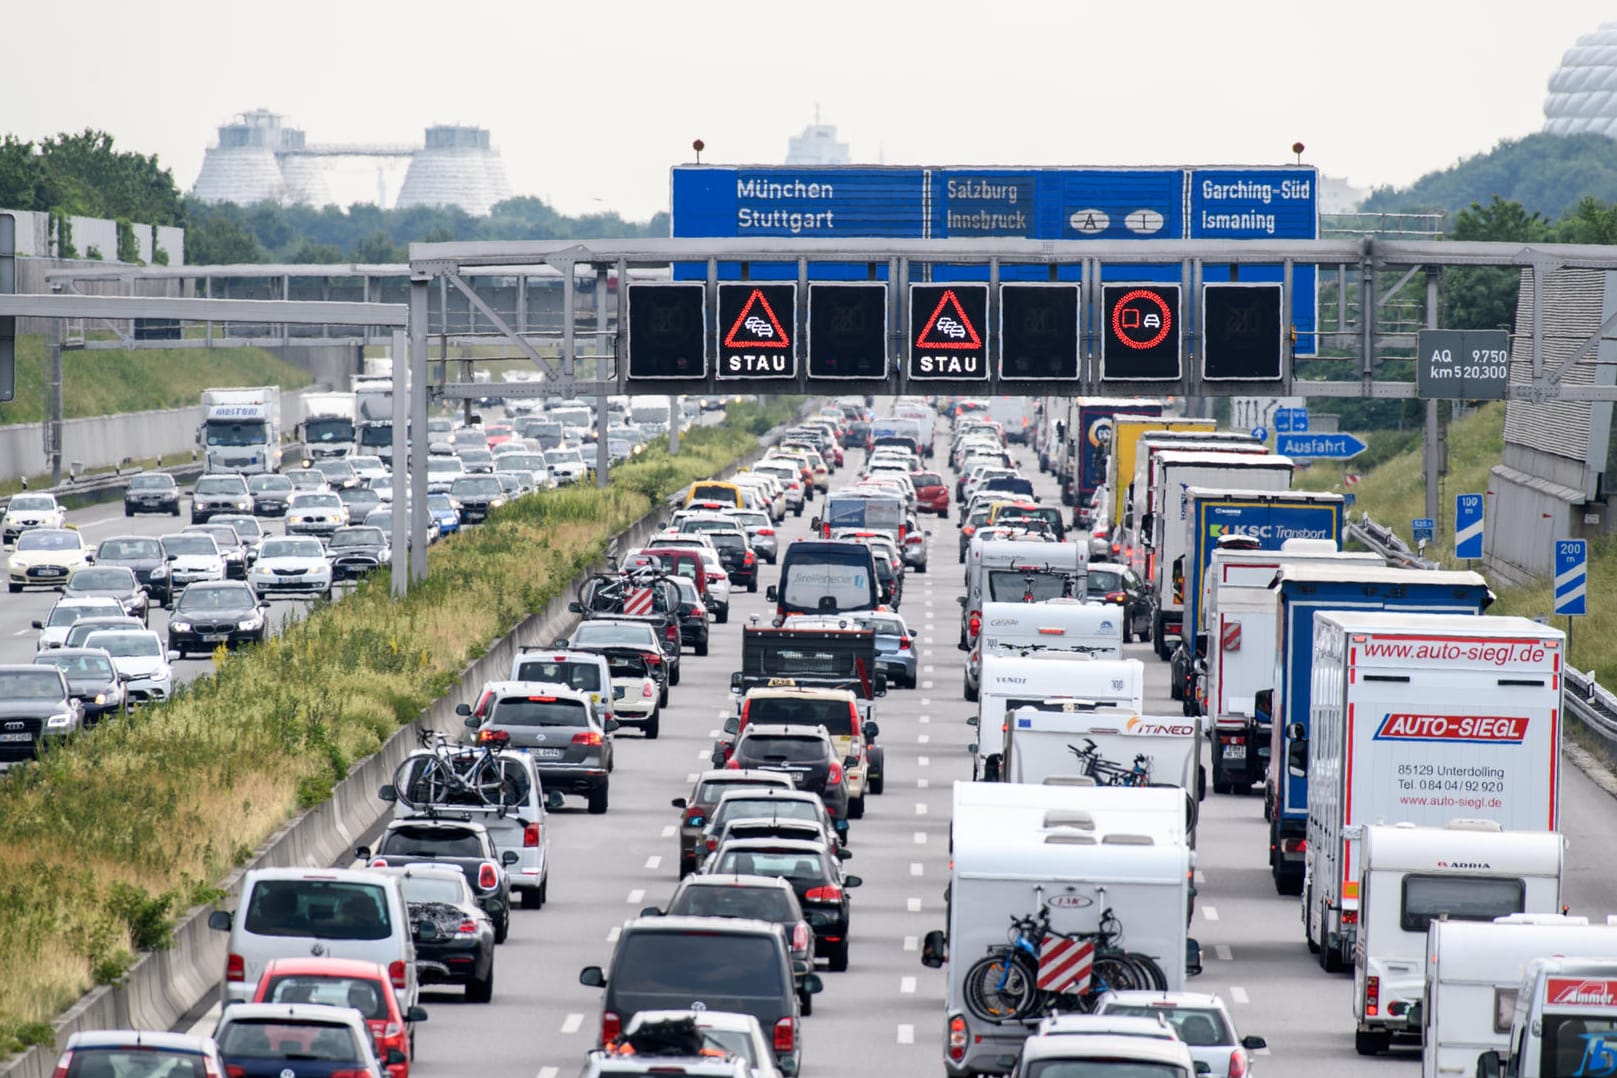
(219, 494)
(585, 671)
(814, 872)
(554, 726)
(709, 787)
(729, 964)
(834, 709)
(465, 845)
(806, 753)
(761, 898)
(35, 703)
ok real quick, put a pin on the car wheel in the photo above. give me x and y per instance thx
(962, 555)
(876, 783)
(533, 898)
(798, 511)
(722, 615)
(856, 807)
(971, 694)
(128, 512)
(1223, 788)
(701, 646)
(502, 927)
(1371, 1043)
(673, 673)
(653, 726)
(597, 801)
(921, 568)
(805, 1003)
(752, 585)
(837, 953)
(326, 595)
(944, 512)
(174, 512)
(481, 989)
(662, 697)
(13, 588)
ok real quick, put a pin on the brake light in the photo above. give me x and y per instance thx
(974, 623)
(786, 1035)
(903, 643)
(733, 764)
(232, 1070)
(1119, 597)
(611, 1026)
(587, 737)
(835, 778)
(766, 531)
(957, 1038)
(379, 862)
(711, 843)
(235, 968)
(1372, 996)
(747, 559)
(395, 973)
(1049, 631)
(654, 660)
(829, 893)
(487, 877)
(1238, 1064)
(645, 690)
(1350, 917)
(347, 1072)
(800, 937)
(467, 927)
(530, 834)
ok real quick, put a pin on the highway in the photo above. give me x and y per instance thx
(885, 1015)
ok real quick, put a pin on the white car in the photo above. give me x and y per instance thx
(367, 468)
(53, 629)
(140, 659)
(30, 511)
(727, 1031)
(192, 556)
(315, 514)
(291, 564)
(1200, 1019)
(44, 558)
(442, 470)
(567, 465)
(383, 485)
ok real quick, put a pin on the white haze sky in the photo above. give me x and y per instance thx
(590, 103)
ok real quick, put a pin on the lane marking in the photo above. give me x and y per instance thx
(920, 808)
(1210, 913)
(548, 1072)
(914, 905)
(911, 942)
(929, 669)
(926, 684)
(1200, 877)
(926, 701)
(24, 632)
(924, 761)
(1223, 952)
(1238, 994)
(637, 896)
(916, 868)
(926, 718)
(655, 861)
(572, 1023)
(922, 784)
(668, 830)
(691, 777)
(613, 933)
(703, 754)
(906, 1034)
(906, 985)
(923, 739)
(920, 838)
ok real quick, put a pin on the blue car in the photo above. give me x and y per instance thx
(440, 509)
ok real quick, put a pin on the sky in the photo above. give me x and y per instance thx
(590, 104)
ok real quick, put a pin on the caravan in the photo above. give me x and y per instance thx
(1063, 625)
(1015, 679)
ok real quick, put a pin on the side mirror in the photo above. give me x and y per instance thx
(972, 748)
(362, 853)
(679, 802)
(971, 720)
(934, 949)
(612, 726)
(771, 594)
(735, 681)
(717, 759)
(509, 858)
(37, 624)
(173, 656)
(554, 800)
(1297, 757)
(850, 761)
(1203, 1068)
(575, 607)
(814, 523)
(263, 606)
(1489, 1065)
(463, 709)
(472, 722)
(962, 646)
(812, 984)
(732, 725)
(870, 730)
(395, 1057)
(853, 881)
(592, 977)
(1193, 957)
(651, 911)
(219, 920)
(1252, 1042)
(388, 793)
(415, 1014)
(1295, 732)
(961, 601)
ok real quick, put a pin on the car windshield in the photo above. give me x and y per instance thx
(364, 995)
(126, 645)
(433, 889)
(540, 711)
(193, 544)
(31, 503)
(49, 539)
(152, 482)
(286, 1039)
(788, 864)
(328, 909)
(479, 486)
(30, 685)
(606, 634)
(586, 677)
(413, 841)
(563, 456)
(440, 503)
(224, 537)
(335, 469)
(103, 621)
(363, 537)
(1199, 1027)
(730, 900)
(269, 484)
(113, 578)
(316, 501)
(710, 790)
(199, 597)
(67, 613)
(700, 964)
(129, 550)
(222, 484)
(291, 548)
(244, 527)
(78, 667)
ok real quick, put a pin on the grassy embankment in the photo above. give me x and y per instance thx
(107, 382)
(109, 839)
(1395, 493)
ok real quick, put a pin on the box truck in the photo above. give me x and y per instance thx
(1126, 514)
(1060, 624)
(1300, 591)
(1088, 444)
(1473, 970)
(373, 408)
(1411, 877)
(1419, 717)
(241, 430)
(1239, 617)
(1127, 430)
(1084, 855)
(1012, 679)
(328, 430)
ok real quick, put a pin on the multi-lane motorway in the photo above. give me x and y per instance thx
(885, 1015)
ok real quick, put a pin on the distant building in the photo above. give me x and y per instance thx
(817, 145)
(1336, 195)
(1583, 90)
(457, 168)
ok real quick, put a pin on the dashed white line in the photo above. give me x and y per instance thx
(923, 739)
(920, 838)
(654, 861)
(1210, 913)
(922, 784)
(926, 718)
(703, 754)
(1238, 994)
(668, 830)
(637, 896)
(22, 632)
(572, 1023)
(613, 933)
(906, 1034)
(548, 1072)
(912, 942)
(920, 808)
(1200, 877)
(916, 868)
(926, 684)
(906, 985)
(1223, 952)
(926, 701)
(914, 905)
(924, 761)
(691, 777)
(929, 669)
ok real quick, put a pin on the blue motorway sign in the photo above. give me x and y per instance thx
(1319, 446)
(1468, 526)
(1423, 529)
(1260, 434)
(1291, 420)
(906, 202)
(1571, 576)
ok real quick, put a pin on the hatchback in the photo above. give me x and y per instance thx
(814, 872)
(344, 982)
(762, 898)
(1202, 1021)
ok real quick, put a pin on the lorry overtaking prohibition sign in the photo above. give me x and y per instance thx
(1140, 335)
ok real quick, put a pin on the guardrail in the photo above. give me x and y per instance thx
(1584, 697)
(106, 486)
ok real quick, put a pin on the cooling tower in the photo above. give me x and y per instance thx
(457, 168)
(1583, 91)
(305, 179)
(242, 168)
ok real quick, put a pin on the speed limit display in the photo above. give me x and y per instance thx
(1140, 333)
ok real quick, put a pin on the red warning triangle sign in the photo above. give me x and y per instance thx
(757, 328)
(949, 328)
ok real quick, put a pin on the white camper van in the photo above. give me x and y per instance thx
(1409, 877)
(1013, 679)
(1565, 1023)
(1066, 624)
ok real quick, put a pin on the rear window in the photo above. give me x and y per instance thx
(145, 1062)
(787, 865)
(1459, 898)
(1103, 581)
(762, 808)
(1199, 1027)
(431, 842)
(365, 996)
(329, 909)
(766, 905)
(698, 964)
(1015, 586)
(709, 792)
(540, 711)
(828, 581)
(792, 750)
(714, 492)
(926, 479)
(282, 1039)
(1103, 1067)
(831, 714)
(585, 677)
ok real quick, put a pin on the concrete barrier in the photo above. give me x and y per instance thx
(164, 986)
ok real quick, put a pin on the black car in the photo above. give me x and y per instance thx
(736, 555)
(359, 501)
(36, 705)
(454, 938)
(815, 874)
(91, 678)
(602, 634)
(1109, 582)
(112, 581)
(466, 846)
(760, 898)
(270, 494)
(152, 492)
(231, 548)
(570, 749)
(145, 556)
(476, 496)
(693, 617)
(806, 753)
(211, 613)
(357, 550)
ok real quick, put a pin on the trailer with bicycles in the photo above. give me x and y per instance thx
(1056, 894)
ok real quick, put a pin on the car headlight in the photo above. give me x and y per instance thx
(294, 518)
(179, 626)
(249, 624)
(100, 698)
(159, 572)
(243, 503)
(57, 722)
(496, 503)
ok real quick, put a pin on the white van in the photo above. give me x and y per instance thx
(1565, 1022)
(585, 671)
(1473, 972)
(1409, 877)
(1064, 624)
(332, 912)
(1012, 680)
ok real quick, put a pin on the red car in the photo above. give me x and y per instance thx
(345, 982)
(931, 493)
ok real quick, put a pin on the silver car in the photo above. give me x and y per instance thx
(760, 531)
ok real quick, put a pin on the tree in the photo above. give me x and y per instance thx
(1546, 173)
(218, 236)
(377, 250)
(310, 252)
(1484, 297)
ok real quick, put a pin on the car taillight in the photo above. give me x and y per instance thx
(488, 877)
(711, 843)
(396, 973)
(766, 531)
(786, 1035)
(1238, 1064)
(829, 893)
(645, 690)
(654, 660)
(232, 1070)
(346, 1072)
(733, 763)
(957, 1038)
(379, 862)
(389, 1030)
(903, 643)
(1118, 597)
(235, 968)
(467, 927)
(1372, 996)
(835, 778)
(800, 937)
(587, 737)
(62, 1064)
(611, 1026)
(530, 833)
(974, 622)
(1350, 917)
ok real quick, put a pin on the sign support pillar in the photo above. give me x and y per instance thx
(1431, 448)
(603, 454)
(417, 500)
(53, 405)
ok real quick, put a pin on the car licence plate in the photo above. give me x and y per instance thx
(16, 737)
(546, 754)
(215, 638)
(1234, 752)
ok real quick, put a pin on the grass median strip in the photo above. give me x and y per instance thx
(110, 838)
